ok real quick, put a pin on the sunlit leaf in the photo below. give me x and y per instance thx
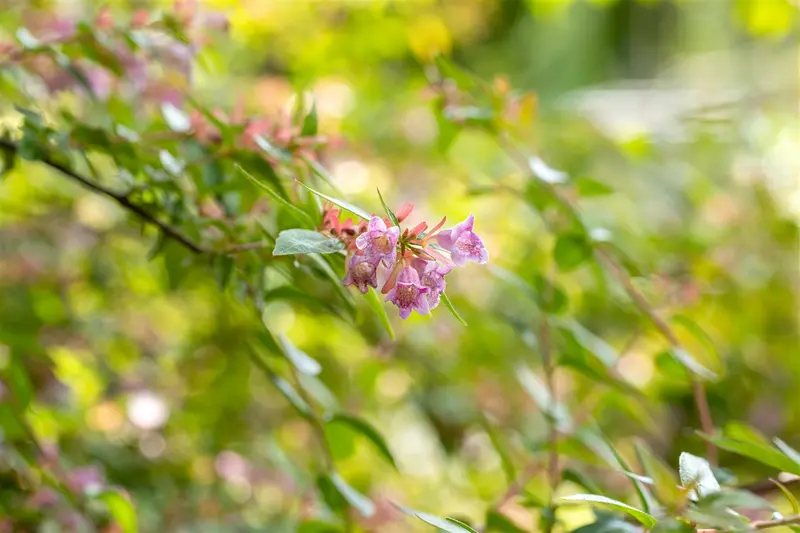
(376, 304)
(299, 359)
(121, 509)
(341, 203)
(176, 119)
(367, 430)
(695, 472)
(644, 518)
(302, 241)
(389, 212)
(758, 452)
(446, 300)
(571, 251)
(691, 364)
(790, 452)
(537, 390)
(358, 501)
(789, 496)
(300, 215)
(449, 525)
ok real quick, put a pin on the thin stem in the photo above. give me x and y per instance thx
(121, 199)
(785, 521)
(698, 389)
(317, 426)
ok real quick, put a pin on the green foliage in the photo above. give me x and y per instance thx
(177, 347)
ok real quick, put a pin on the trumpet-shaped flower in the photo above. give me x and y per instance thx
(409, 294)
(463, 243)
(379, 241)
(431, 275)
(362, 271)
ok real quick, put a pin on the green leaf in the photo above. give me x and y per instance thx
(695, 472)
(790, 452)
(691, 364)
(591, 342)
(611, 523)
(326, 268)
(96, 51)
(341, 203)
(361, 503)
(450, 525)
(300, 215)
(317, 526)
(303, 241)
(310, 123)
(304, 363)
(8, 160)
(666, 482)
(121, 509)
(376, 304)
(538, 392)
(645, 519)
(452, 309)
(789, 496)
(498, 523)
(496, 439)
(549, 296)
(389, 212)
(367, 430)
(176, 119)
(223, 268)
(758, 452)
(571, 251)
(294, 398)
(590, 187)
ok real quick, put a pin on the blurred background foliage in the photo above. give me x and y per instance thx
(676, 120)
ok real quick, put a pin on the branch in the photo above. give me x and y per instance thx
(698, 390)
(121, 199)
(785, 521)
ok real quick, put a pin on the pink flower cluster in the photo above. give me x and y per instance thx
(411, 265)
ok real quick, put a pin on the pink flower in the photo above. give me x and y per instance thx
(431, 275)
(379, 241)
(463, 244)
(409, 294)
(362, 271)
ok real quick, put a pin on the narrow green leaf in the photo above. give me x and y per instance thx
(760, 453)
(176, 119)
(538, 392)
(326, 268)
(341, 203)
(496, 522)
(300, 215)
(789, 496)
(121, 509)
(695, 472)
(639, 482)
(304, 363)
(691, 364)
(310, 123)
(666, 482)
(361, 503)
(367, 430)
(591, 187)
(790, 452)
(452, 309)
(375, 303)
(303, 241)
(450, 525)
(571, 251)
(603, 351)
(644, 518)
(495, 437)
(389, 212)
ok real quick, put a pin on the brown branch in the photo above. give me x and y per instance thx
(698, 390)
(785, 521)
(121, 199)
